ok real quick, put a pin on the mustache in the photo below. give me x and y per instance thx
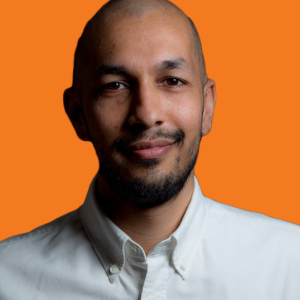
(123, 142)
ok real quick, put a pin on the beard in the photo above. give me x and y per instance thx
(156, 188)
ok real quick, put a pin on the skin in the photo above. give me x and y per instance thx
(147, 97)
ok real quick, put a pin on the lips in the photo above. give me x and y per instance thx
(150, 149)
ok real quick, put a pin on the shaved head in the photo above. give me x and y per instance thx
(111, 12)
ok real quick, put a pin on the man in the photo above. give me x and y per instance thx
(140, 94)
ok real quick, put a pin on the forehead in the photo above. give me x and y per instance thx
(153, 37)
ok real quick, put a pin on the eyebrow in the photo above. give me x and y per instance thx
(171, 64)
(109, 69)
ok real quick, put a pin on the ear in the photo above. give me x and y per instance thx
(74, 110)
(209, 102)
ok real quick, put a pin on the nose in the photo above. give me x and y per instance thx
(146, 108)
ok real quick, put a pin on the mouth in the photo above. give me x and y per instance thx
(149, 149)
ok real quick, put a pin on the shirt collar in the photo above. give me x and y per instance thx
(188, 233)
(109, 241)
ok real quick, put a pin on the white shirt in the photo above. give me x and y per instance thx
(217, 253)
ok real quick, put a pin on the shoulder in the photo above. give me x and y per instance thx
(230, 214)
(251, 227)
(45, 229)
(40, 259)
(38, 240)
(24, 257)
(221, 210)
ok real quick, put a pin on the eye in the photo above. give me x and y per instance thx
(172, 81)
(114, 86)
(109, 89)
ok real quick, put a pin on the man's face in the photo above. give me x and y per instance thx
(143, 105)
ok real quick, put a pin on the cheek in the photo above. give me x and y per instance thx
(188, 115)
(105, 123)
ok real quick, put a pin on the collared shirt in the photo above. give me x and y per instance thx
(217, 253)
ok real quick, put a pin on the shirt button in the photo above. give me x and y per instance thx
(151, 298)
(133, 251)
(183, 266)
(114, 269)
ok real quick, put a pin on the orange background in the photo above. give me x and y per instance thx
(249, 160)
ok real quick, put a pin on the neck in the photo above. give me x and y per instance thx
(150, 226)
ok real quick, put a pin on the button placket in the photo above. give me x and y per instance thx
(156, 278)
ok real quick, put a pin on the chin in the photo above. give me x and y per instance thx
(147, 187)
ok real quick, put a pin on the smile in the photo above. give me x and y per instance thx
(150, 150)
